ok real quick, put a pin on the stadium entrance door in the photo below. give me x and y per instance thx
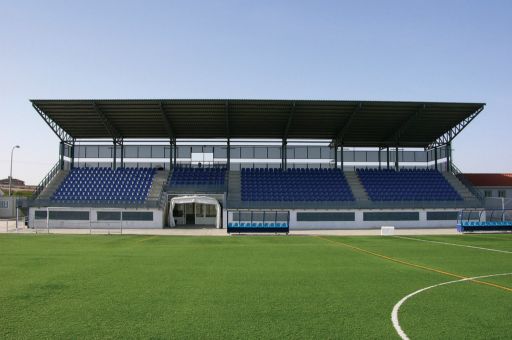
(195, 210)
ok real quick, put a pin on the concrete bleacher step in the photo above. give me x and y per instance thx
(234, 185)
(463, 191)
(159, 181)
(355, 185)
(54, 184)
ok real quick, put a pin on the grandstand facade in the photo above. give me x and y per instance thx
(253, 165)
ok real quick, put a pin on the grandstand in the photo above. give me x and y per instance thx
(266, 163)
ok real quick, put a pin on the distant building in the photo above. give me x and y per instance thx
(15, 182)
(492, 185)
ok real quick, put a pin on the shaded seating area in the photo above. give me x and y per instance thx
(294, 185)
(484, 220)
(198, 176)
(407, 185)
(105, 185)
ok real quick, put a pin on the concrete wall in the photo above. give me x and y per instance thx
(360, 223)
(156, 223)
(7, 207)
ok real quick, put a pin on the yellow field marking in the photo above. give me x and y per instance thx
(147, 238)
(414, 265)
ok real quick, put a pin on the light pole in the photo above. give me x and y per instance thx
(10, 176)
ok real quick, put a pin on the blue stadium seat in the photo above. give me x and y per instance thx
(294, 185)
(198, 176)
(105, 185)
(407, 185)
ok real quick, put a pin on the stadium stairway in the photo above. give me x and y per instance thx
(463, 191)
(234, 186)
(357, 188)
(159, 181)
(56, 181)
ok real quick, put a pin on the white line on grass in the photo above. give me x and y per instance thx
(455, 244)
(394, 312)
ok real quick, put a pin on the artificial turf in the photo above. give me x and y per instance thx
(71, 286)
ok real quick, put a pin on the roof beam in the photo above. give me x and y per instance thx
(112, 130)
(346, 126)
(60, 132)
(397, 133)
(289, 122)
(167, 121)
(226, 114)
(449, 135)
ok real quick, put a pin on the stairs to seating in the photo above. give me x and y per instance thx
(234, 185)
(463, 191)
(355, 185)
(54, 184)
(159, 181)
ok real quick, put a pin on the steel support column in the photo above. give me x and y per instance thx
(435, 157)
(379, 160)
(228, 154)
(283, 155)
(114, 159)
(72, 154)
(61, 155)
(449, 156)
(122, 153)
(335, 155)
(175, 154)
(387, 157)
(396, 158)
(342, 158)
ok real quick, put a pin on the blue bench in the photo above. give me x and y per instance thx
(484, 226)
(258, 227)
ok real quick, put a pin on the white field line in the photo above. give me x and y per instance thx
(455, 244)
(396, 308)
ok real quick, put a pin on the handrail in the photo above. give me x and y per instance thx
(456, 171)
(44, 182)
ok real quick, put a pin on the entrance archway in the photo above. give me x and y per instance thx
(198, 200)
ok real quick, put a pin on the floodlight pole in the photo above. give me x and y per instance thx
(10, 174)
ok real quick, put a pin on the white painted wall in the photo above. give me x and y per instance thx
(157, 223)
(359, 223)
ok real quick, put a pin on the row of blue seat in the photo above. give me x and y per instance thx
(258, 225)
(105, 185)
(198, 176)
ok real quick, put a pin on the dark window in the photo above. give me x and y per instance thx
(442, 215)
(391, 216)
(108, 215)
(137, 216)
(325, 216)
(63, 215)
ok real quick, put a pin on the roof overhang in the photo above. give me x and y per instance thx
(351, 123)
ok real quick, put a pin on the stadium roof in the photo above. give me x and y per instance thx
(490, 180)
(355, 123)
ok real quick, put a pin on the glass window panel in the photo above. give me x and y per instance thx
(314, 152)
(235, 152)
(106, 151)
(290, 152)
(275, 153)
(260, 152)
(144, 151)
(157, 151)
(91, 151)
(131, 151)
(326, 152)
(220, 152)
(301, 152)
(247, 152)
(184, 151)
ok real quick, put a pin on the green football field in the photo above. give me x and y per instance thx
(72, 287)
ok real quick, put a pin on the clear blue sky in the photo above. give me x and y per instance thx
(368, 50)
